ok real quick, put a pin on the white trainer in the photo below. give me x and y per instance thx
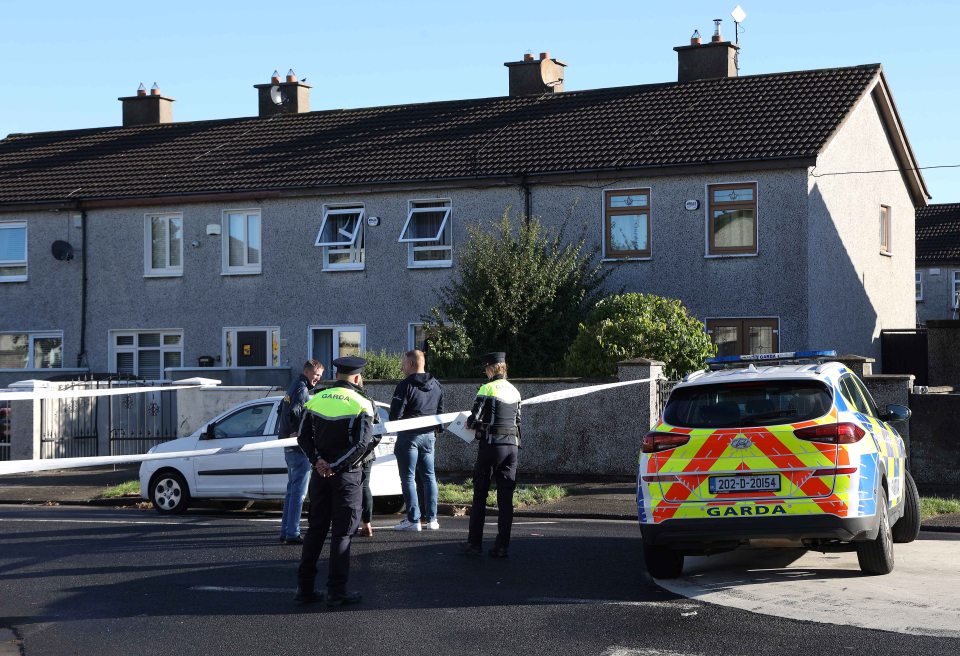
(433, 526)
(407, 525)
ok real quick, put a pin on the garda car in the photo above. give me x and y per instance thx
(788, 449)
(261, 474)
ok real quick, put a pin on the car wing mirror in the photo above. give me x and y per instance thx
(207, 433)
(896, 413)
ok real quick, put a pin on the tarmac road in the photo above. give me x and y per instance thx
(79, 580)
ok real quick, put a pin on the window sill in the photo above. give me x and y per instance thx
(245, 272)
(614, 260)
(714, 256)
(438, 265)
(345, 267)
(886, 253)
(163, 274)
(14, 279)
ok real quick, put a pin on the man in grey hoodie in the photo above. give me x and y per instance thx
(418, 395)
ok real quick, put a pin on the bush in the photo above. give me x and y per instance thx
(639, 325)
(520, 288)
(382, 365)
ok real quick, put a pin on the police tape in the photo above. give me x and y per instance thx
(454, 421)
(44, 393)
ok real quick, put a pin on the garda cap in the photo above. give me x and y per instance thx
(349, 365)
(490, 359)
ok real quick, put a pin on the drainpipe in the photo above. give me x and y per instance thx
(82, 353)
(527, 203)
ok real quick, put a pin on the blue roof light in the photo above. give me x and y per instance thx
(759, 357)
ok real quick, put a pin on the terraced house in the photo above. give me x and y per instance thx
(253, 243)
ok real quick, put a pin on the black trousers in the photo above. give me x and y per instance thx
(497, 462)
(366, 514)
(334, 508)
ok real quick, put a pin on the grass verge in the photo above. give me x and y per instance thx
(523, 497)
(933, 506)
(130, 487)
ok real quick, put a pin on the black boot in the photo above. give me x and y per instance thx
(344, 599)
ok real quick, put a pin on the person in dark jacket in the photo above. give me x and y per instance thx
(496, 418)
(298, 467)
(417, 395)
(337, 435)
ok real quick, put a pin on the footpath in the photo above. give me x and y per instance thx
(598, 499)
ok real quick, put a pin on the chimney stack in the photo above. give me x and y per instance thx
(703, 61)
(143, 109)
(283, 97)
(533, 76)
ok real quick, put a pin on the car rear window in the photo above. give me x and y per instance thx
(754, 403)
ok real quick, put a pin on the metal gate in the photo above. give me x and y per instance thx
(71, 427)
(140, 421)
(905, 352)
(5, 425)
(664, 387)
(68, 427)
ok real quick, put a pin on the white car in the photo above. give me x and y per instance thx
(262, 474)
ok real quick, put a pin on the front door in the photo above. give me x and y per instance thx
(327, 343)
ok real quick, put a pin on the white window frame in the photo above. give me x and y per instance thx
(32, 336)
(149, 271)
(229, 355)
(918, 285)
(412, 335)
(11, 225)
(351, 244)
(954, 287)
(246, 268)
(135, 348)
(419, 244)
(336, 329)
(708, 254)
(886, 228)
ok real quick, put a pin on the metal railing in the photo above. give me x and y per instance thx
(664, 387)
(140, 421)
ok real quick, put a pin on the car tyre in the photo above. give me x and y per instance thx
(907, 527)
(169, 492)
(390, 505)
(876, 556)
(662, 563)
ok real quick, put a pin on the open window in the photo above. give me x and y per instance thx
(341, 237)
(427, 233)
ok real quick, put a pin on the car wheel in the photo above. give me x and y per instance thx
(907, 527)
(169, 492)
(662, 563)
(388, 505)
(876, 556)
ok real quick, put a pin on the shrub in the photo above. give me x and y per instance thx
(382, 365)
(635, 325)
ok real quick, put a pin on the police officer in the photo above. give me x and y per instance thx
(336, 434)
(496, 418)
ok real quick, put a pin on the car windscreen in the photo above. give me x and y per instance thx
(753, 403)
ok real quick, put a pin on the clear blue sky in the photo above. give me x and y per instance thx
(63, 64)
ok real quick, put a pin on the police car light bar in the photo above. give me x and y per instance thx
(790, 355)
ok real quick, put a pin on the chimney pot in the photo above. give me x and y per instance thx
(141, 90)
(291, 76)
(716, 32)
(695, 38)
(528, 56)
(155, 90)
(544, 55)
(275, 78)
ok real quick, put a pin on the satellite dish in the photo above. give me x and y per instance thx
(277, 96)
(62, 250)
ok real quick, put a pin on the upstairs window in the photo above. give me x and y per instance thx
(341, 237)
(39, 350)
(732, 219)
(163, 245)
(626, 223)
(13, 252)
(427, 234)
(955, 289)
(251, 347)
(918, 285)
(885, 242)
(241, 242)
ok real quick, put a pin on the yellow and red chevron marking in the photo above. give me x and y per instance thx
(714, 454)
